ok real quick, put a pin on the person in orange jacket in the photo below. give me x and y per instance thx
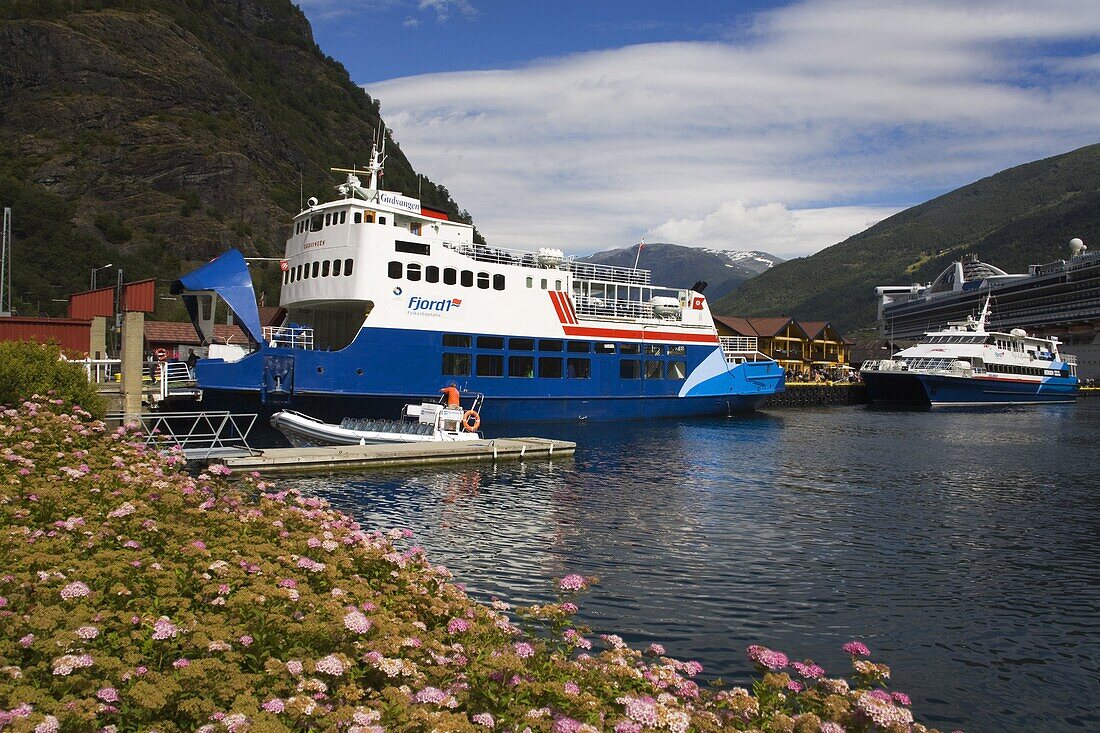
(453, 398)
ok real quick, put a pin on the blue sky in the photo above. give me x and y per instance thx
(784, 127)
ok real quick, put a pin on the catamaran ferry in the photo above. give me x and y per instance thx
(387, 301)
(966, 365)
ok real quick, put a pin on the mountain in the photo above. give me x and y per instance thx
(1014, 218)
(677, 266)
(152, 134)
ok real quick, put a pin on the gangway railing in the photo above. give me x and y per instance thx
(201, 435)
(739, 349)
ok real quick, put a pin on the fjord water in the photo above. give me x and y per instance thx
(963, 547)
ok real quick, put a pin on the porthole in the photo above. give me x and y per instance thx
(320, 370)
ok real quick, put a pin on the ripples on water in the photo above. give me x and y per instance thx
(962, 547)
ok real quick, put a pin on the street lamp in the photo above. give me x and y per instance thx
(97, 269)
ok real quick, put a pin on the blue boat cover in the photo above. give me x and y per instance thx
(228, 276)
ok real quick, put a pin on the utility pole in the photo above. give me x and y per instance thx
(5, 266)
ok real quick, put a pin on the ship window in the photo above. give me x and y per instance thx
(369, 217)
(305, 271)
(630, 348)
(412, 248)
(521, 344)
(412, 272)
(456, 365)
(358, 218)
(483, 280)
(677, 369)
(652, 349)
(490, 365)
(316, 268)
(521, 366)
(578, 347)
(630, 369)
(544, 283)
(286, 277)
(336, 267)
(557, 285)
(467, 279)
(678, 350)
(460, 340)
(550, 367)
(414, 227)
(450, 276)
(550, 345)
(431, 274)
(328, 218)
(347, 267)
(490, 342)
(605, 348)
(343, 217)
(316, 223)
(298, 275)
(653, 369)
(324, 268)
(381, 220)
(579, 368)
(498, 282)
(530, 282)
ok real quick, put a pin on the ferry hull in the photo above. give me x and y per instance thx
(928, 390)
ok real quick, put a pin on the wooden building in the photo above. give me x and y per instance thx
(800, 347)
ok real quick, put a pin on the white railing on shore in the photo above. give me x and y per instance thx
(100, 371)
(200, 435)
(290, 337)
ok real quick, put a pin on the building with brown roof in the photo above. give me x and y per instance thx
(800, 347)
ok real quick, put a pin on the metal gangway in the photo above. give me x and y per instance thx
(201, 435)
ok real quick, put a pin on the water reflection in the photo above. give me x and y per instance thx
(960, 545)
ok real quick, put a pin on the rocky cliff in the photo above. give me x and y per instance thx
(153, 134)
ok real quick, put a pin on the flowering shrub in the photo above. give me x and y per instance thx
(134, 596)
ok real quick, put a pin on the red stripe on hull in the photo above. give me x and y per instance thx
(557, 306)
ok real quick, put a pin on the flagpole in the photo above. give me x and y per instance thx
(639, 255)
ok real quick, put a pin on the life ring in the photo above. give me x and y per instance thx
(471, 421)
(161, 354)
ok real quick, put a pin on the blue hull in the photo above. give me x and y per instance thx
(938, 391)
(384, 369)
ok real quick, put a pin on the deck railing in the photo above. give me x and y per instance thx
(545, 261)
(611, 308)
(289, 337)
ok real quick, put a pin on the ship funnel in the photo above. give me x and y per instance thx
(1076, 247)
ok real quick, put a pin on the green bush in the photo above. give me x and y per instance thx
(28, 368)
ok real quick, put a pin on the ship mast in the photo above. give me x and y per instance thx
(353, 186)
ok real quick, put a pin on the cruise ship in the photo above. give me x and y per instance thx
(1060, 299)
(387, 301)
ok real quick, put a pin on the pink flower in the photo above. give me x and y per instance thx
(294, 667)
(108, 694)
(901, 698)
(831, 727)
(794, 686)
(181, 663)
(768, 658)
(163, 628)
(484, 719)
(356, 622)
(523, 649)
(274, 705)
(571, 688)
(49, 724)
(26, 641)
(657, 649)
(87, 632)
(330, 665)
(573, 583)
(75, 590)
(857, 648)
(457, 625)
(809, 671)
(245, 640)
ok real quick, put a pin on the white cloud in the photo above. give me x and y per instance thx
(824, 117)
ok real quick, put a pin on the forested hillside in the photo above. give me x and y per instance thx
(1020, 216)
(152, 134)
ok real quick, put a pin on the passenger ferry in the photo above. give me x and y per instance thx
(966, 365)
(387, 301)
